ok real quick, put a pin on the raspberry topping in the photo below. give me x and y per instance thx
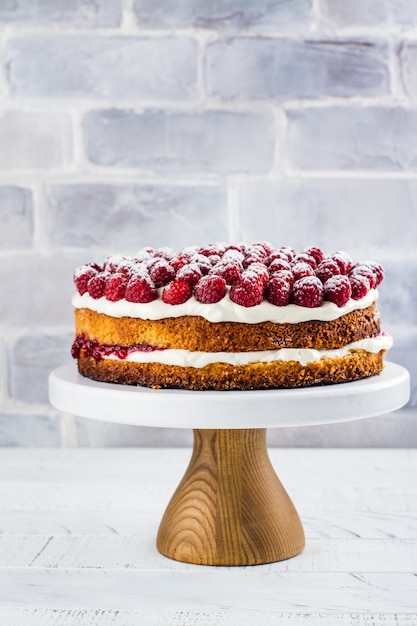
(177, 292)
(140, 288)
(308, 292)
(248, 290)
(210, 289)
(253, 272)
(360, 286)
(115, 287)
(278, 290)
(337, 289)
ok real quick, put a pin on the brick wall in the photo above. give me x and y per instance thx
(131, 123)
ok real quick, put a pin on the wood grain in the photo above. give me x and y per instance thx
(230, 507)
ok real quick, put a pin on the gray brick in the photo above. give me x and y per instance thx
(354, 138)
(207, 142)
(376, 13)
(34, 140)
(39, 288)
(263, 15)
(32, 358)
(103, 67)
(408, 61)
(277, 68)
(123, 217)
(29, 431)
(16, 218)
(395, 430)
(398, 296)
(82, 13)
(404, 352)
(370, 217)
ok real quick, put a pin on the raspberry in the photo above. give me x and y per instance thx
(276, 255)
(343, 260)
(115, 287)
(300, 270)
(232, 254)
(315, 252)
(268, 247)
(278, 264)
(365, 270)
(229, 270)
(308, 292)
(161, 272)
(177, 292)
(288, 251)
(179, 261)
(140, 288)
(287, 275)
(260, 270)
(305, 258)
(236, 248)
(337, 289)
(144, 255)
(165, 253)
(378, 271)
(81, 277)
(203, 263)
(278, 290)
(210, 289)
(248, 290)
(96, 286)
(190, 274)
(214, 258)
(112, 263)
(127, 268)
(212, 248)
(254, 254)
(326, 269)
(360, 286)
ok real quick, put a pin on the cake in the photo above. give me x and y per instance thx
(229, 317)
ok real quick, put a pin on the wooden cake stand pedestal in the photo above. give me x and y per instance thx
(230, 507)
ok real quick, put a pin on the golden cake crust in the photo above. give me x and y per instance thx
(222, 376)
(198, 334)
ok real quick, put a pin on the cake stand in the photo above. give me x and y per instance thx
(230, 507)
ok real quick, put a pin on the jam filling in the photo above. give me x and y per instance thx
(92, 348)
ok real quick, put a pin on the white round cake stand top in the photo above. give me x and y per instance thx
(173, 408)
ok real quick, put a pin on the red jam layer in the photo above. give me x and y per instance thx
(92, 348)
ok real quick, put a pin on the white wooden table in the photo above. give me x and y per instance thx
(78, 528)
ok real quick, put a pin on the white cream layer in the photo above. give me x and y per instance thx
(184, 358)
(224, 311)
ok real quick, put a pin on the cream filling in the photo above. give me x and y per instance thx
(224, 311)
(185, 358)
